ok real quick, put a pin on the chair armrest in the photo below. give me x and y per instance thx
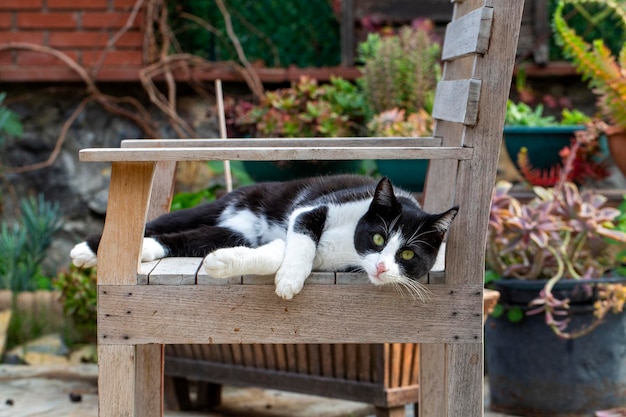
(276, 149)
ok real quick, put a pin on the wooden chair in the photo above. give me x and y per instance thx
(182, 306)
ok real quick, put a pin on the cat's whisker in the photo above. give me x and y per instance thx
(417, 289)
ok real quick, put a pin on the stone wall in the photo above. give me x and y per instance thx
(80, 188)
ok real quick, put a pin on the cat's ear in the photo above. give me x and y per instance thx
(384, 198)
(443, 221)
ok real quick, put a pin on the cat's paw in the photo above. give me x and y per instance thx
(151, 250)
(289, 283)
(224, 263)
(82, 256)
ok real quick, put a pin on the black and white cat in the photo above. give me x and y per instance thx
(335, 223)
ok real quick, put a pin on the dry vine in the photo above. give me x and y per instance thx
(162, 65)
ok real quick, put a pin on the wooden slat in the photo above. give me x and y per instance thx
(202, 278)
(162, 189)
(395, 365)
(468, 34)
(314, 278)
(180, 271)
(144, 271)
(272, 154)
(365, 362)
(175, 271)
(327, 359)
(457, 101)
(407, 364)
(194, 314)
(269, 352)
(281, 142)
(287, 381)
(347, 33)
(339, 361)
(315, 361)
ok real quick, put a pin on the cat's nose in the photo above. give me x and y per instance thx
(380, 268)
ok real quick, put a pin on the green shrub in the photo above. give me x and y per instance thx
(10, 124)
(23, 245)
(79, 292)
(400, 71)
(306, 109)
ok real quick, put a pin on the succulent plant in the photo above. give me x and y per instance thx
(562, 233)
(605, 72)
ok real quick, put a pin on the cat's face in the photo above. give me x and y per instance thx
(397, 242)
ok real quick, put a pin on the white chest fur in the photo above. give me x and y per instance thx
(336, 247)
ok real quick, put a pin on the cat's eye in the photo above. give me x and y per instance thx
(407, 255)
(378, 239)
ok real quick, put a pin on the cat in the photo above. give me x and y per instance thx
(333, 223)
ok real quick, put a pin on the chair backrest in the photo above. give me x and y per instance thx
(479, 52)
(478, 65)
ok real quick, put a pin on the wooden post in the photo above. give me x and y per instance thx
(118, 262)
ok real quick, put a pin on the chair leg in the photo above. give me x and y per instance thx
(116, 380)
(397, 411)
(170, 397)
(149, 380)
(209, 395)
(181, 393)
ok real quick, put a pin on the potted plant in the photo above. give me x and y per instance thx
(306, 109)
(589, 162)
(553, 347)
(542, 136)
(399, 76)
(603, 68)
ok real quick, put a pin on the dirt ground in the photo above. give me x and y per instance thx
(62, 391)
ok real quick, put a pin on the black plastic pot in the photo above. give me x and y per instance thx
(532, 372)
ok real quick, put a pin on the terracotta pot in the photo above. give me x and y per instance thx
(616, 138)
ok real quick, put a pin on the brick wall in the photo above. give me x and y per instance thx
(79, 28)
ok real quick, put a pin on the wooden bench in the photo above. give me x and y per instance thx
(135, 321)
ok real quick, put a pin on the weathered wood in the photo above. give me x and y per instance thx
(118, 254)
(464, 379)
(175, 271)
(144, 271)
(134, 315)
(162, 189)
(457, 101)
(202, 278)
(116, 381)
(296, 382)
(281, 142)
(347, 33)
(468, 35)
(541, 32)
(432, 382)
(149, 382)
(272, 154)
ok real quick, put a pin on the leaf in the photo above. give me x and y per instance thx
(498, 311)
(515, 314)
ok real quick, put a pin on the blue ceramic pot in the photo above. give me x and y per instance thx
(408, 174)
(287, 170)
(543, 143)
